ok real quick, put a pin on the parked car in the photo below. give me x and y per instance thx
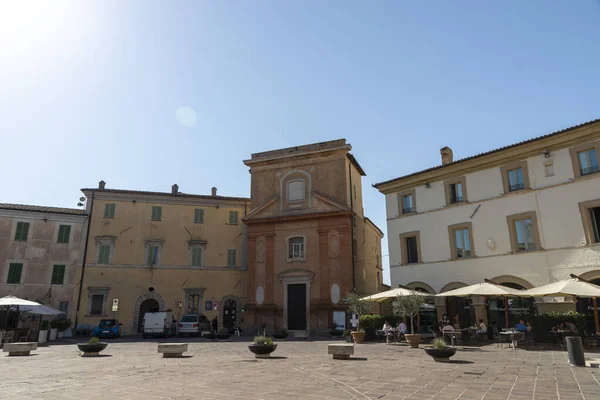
(160, 323)
(110, 328)
(193, 324)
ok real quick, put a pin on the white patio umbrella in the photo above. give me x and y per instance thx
(391, 294)
(15, 301)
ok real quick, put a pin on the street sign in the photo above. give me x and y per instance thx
(215, 305)
(180, 304)
(115, 306)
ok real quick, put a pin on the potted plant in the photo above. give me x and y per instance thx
(223, 334)
(282, 334)
(43, 335)
(358, 307)
(263, 347)
(348, 336)
(409, 306)
(53, 329)
(334, 331)
(440, 351)
(92, 348)
(63, 325)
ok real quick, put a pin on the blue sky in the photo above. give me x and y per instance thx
(90, 90)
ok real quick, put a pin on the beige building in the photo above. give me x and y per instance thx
(309, 242)
(39, 252)
(159, 251)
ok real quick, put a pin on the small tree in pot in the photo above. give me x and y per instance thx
(409, 306)
(358, 307)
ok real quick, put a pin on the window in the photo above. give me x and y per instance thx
(15, 270)
(58, 275)
(199, 216)
(410, 248)
(22, 231)
(196, 256)
(104, 251)
(590, 211)
(456, 191)
(296, 248)
(64, 306)
(461, 241)
(406, 203)
(193, 304)
(515, 177)
(231, 257)
(233, 217)
(156, 213)
(109, 211)
(97, 304)
(523, 232)
(64, 234)
(152, 254)
(295, 190)
(585, 159)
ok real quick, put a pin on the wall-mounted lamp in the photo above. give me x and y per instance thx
(546, 154)
(427, 185)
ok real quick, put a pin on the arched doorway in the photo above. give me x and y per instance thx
(229, 313)
(586, 306)
(149, 305)
(518, 307)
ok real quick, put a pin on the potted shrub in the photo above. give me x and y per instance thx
(282, 334)
(409, 306)
(358, 307)
(53, 329)
(440, 351)
(348, 336)
(43, 335)
(263, 347)
(63, 325)
(223, 334)
(92, 348)
(334, 331)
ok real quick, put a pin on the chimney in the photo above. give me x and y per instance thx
(214, 191)
(447, 156)
(101, 185)
(175, 189)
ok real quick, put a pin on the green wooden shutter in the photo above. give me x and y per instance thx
(231, 257)
(109, 210)
(58, 274)
(233, 217)
(22, 231)
(104, 254)
(156, 213)
(14, 273)
(199, 216)
(64, 234)
(197, 256)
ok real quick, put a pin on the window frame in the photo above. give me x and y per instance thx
(448, 190)
(512, 230)
(400, 195)
(155, 217)
(573, 151)
(10, 264)
(105, 241)
(199, 215)
(287, 242)
(14, 236)
(97, 291)
(147, 246)
(234, 264)
(58, 236)
(287, 190)
(506, 181)
(452, 236)
(403, 250)
(236, 220)
(64, 274)
(584, 209)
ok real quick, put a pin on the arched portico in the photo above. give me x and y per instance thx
(146, 296)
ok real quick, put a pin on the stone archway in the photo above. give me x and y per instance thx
(512, 279)
(416, 285)
(238, 310)
(138, 304)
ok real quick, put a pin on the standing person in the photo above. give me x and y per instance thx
(215, 325)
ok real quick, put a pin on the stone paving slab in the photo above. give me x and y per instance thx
(298, 369)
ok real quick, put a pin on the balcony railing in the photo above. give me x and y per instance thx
(591, 170)
(517, 186)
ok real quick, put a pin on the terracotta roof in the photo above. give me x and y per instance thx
(179, 194)
(297, 150)
(490, 152)
(42, 209)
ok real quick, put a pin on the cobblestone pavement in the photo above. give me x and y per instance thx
(299, 370)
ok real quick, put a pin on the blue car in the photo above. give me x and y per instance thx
(110, 328)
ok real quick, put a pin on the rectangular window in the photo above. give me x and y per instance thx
(97, 305)
(196, 256)
(152, 254)
(104, 253)
(64, 234)
(296, 248)
(109, 211)
(410, 248)
(15, 271)
(523, 232)
(22, 231)
(588, 162)
(199, 216)
(406, 203)
(515, 177)
(156, 213)
(455, 190)
(64, 306)
(590, 211)
(461, 241)
(231, 257)
(233, 217)
(58, 274)
(193, 306)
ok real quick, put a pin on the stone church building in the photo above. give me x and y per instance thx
(309, 242)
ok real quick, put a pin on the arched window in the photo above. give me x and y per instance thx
(296, 248)
(295, 190)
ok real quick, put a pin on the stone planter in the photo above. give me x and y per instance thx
(262, 350)
(91, 349)
(441, 354)
(413, 339)
(42, 336)
(359, 337)
(53, 333)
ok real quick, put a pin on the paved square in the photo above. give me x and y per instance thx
(299, 370)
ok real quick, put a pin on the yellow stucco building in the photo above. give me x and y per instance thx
(161, 251)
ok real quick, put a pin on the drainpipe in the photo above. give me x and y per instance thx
(352, 227)
(87, 236)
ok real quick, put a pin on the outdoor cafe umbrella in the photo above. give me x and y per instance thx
(391, 294)
(487, 289)
(12, 301)
(571, 287)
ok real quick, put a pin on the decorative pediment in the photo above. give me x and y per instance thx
(296, 273)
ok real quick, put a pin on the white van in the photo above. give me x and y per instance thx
(160, 323)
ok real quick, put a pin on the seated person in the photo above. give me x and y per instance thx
(569, 326)
(448, 328)
(402, 327)
(386, 326)
(482, 328)
(521, 327)
(444, 320)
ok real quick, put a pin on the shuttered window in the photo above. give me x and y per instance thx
(64, 234)
(199, 216)
(22, 231)
(14, 273)
(233, 217)
(104, 254)
(109, 211)
(58, 274)
(231, 257)
(196, 256)
(156, 213)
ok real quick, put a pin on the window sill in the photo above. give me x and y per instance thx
(406, 215)
(460, 203)
(291, 260)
